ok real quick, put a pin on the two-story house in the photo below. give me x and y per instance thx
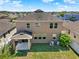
(36, 27)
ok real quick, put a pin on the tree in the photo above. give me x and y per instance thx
(6, 53)
(64, 40)
(62, 14)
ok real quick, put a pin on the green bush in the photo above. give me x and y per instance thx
(21, 53)
(62, 14)
(64, 40)
(6, 53)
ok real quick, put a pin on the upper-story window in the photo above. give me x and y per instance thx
(51, 25)
(68, 31)
(37, 24)
(28, 25)
(55, 25)
(74, 36)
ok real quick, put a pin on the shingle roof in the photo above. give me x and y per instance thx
(72, 26)
(40, 16)
(38, 10)
(4, 27)
(5, 20)
(67, 16)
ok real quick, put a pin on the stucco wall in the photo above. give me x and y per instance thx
(44, 28)
(7, 38)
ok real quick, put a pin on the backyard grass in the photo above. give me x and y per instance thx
(21, 53)
(44, 51)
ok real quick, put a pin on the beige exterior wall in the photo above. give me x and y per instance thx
(73, 35)
(7, 38)
(48, 38)
(43, 30)
(73, 27)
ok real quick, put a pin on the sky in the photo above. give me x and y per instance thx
(45, 5)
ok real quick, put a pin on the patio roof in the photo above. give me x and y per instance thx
(21, 35)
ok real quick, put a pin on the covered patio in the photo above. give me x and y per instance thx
(21, 41)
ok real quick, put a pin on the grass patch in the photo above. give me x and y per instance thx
(47, 48)
(44, 51)
(21, 53)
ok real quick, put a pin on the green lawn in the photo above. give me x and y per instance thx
(44, 51)
(21, 53)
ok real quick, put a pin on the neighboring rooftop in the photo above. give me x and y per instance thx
(5, 27)
(38, 11)
(4, 20)
(67, 16)
(72, 26)
(39, 15)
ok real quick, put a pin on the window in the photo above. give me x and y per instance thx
(4, 35)
(44, 37)
(28, 25)
(54, 37)
(35, 37)
(55, 25)
(74, 36)
(37, 24)
(39, 37)
(24, 40)
(68, 31)
(51, 25)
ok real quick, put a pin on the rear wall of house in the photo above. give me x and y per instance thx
(41, 31)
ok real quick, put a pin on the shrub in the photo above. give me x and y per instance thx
(6, 53)
(64, 40)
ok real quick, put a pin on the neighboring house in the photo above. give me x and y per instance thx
(13, 15)
(36, 27)
(68, 16)
(72, 28)
(6, 31)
